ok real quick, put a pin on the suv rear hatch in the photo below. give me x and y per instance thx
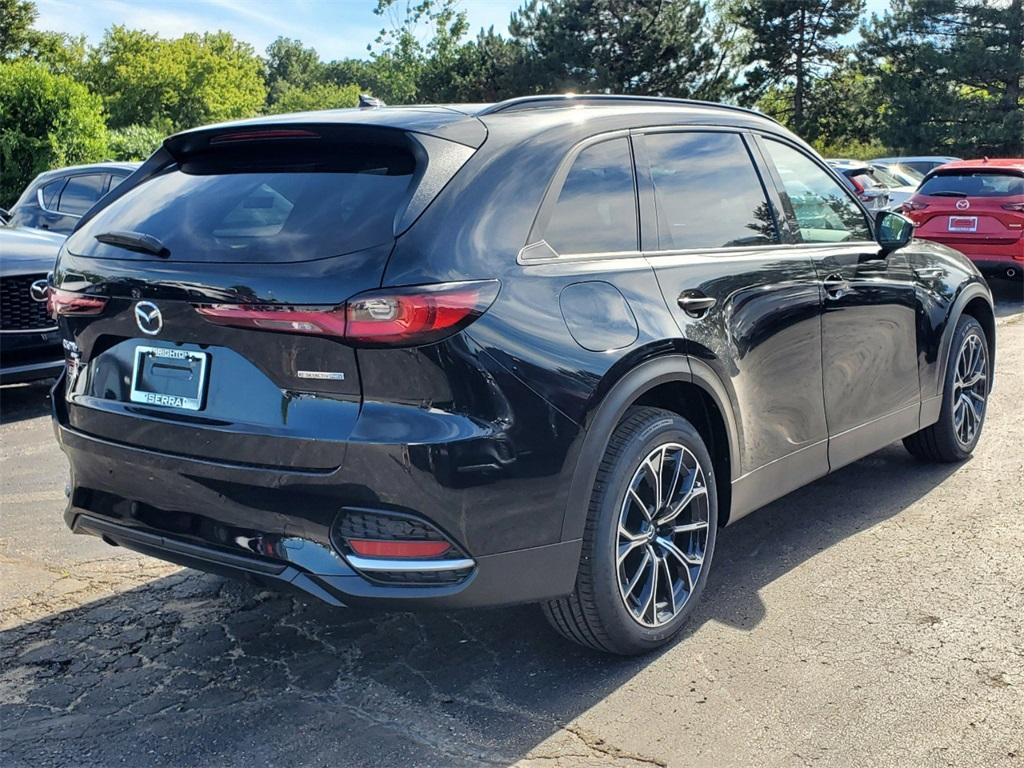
(975, 210)
(204, 304)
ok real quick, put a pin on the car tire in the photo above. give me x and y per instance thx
(954, 436)
(624, 517)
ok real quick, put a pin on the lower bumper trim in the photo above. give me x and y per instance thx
(396, 566)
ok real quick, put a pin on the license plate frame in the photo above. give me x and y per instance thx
(962, 224)
(192, 399)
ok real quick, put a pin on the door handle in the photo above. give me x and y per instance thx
(836, 286)
(695, 303)
(930, 273)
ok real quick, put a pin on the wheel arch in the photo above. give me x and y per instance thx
(675, 382)
(974, 300)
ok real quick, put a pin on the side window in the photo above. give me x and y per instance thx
(824, 211)
(596, 207)
(115, 179)
(51, 193)
(80, 193)
(707, 193)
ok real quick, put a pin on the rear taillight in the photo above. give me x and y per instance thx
(417, 315)
(60, 303)
(911, 205)
(1018, 207)
(396, 317)
(328, 322)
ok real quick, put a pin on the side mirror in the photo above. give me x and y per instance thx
(892, 231)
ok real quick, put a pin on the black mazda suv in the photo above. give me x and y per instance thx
(533, 351)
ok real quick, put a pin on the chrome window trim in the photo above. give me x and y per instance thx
(740, 250)
(106, 186)
(378, 564)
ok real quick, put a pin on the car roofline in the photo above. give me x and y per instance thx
(570, 100)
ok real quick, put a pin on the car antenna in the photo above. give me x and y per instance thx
(366, 101)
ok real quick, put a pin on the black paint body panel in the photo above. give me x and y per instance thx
(493, 434)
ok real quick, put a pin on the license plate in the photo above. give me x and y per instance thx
(169, 377)
(963, 223)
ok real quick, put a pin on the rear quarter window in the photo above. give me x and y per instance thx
(596, 207)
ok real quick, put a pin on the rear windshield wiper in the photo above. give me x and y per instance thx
(947, 193)
(134, 241)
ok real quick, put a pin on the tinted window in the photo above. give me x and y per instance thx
(51, 194)
(596, 208)
(707, 192)
(80, 193)
(115, 179)
(263, 206)
(824, 211)
(973, 184)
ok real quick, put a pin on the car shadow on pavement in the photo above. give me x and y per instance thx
(24, 401)
(191, 669)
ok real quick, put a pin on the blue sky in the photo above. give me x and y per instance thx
(335, 28)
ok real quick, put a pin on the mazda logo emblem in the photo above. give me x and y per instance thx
(39, 290)
(963, 205)
(148, 318)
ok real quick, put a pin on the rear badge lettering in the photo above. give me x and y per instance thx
(325, 375)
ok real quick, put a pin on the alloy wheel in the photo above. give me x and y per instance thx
(662, 534)
(970, 389)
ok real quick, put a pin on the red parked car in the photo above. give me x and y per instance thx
(976, 207)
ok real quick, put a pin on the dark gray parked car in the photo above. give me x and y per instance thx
(29, 342)
(56, 200)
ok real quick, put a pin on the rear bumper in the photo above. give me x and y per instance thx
(16, 374)
(274, 525)
(510, 577)
(30, 356)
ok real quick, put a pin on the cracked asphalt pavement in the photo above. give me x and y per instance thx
(874, 618)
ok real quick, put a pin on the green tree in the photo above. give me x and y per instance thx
(291, 65)
(134, 142)
(951, 75)
(321, 96)
(174, 84)
(48, 121)
(625, 46)
(793, 43)
(16, 33)
(405, 70)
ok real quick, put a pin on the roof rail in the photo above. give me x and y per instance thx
(522, 103)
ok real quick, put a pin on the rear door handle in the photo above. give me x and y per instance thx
(836, 286)
(695, 303)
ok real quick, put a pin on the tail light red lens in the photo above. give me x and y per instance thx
(398, 548)
(60, 303)
(398, 317)
(417, 315)
(329, 322)
(911, 205)
(266, 135)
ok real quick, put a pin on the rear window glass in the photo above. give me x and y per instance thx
(260, 207)
(973, 184)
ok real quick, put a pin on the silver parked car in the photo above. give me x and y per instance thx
(920, 163)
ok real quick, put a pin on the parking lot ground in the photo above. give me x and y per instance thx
(874, 618)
